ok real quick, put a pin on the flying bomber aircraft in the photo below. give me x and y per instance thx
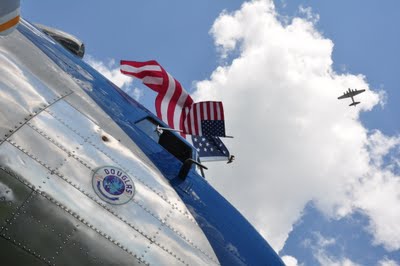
(351, 93)
(86, 179)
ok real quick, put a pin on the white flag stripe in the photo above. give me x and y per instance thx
(179, 104)
(192, 121)
(211, 111)
(205, 111)
(166, 100)
(135, 70)
(152, 80)
(177, 117)
(186, 120)
(198, 120)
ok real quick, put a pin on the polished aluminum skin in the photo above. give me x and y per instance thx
(52, 139)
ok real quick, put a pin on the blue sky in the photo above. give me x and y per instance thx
(366, 38)
(324, 182)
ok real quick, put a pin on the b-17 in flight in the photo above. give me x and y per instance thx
(351, 93)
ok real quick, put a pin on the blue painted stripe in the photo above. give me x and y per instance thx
(233, 238)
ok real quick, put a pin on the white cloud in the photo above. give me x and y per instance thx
(319, 245)
(387, 262)
(325, 260)
(290, 261)
(294, 141)
(112, 72)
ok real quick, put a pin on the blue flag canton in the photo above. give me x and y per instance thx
(210, 147)
(213, 128)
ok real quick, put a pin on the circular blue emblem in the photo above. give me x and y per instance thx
(113, 185)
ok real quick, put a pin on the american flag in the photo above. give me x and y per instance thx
(173, 103)
(204, 119)
(171, 98)
(210, 148)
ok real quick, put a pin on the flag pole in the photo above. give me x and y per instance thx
(159, 129)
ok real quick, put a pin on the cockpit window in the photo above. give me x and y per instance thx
(149, 126)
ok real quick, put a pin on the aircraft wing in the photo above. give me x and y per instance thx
(350, 94)
(86, 180)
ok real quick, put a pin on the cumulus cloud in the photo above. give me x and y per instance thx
(111, 71)
(290, 261)
(325, 260)
(387, 262)
(294, 141)
(319, 245)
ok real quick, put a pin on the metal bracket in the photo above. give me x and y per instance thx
(186, 167)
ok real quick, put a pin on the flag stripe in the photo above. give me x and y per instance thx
(133, 69)
(192, 131)
(205, 110)
(199, 115)
(152, 80)
(186, 121)
(166, 101)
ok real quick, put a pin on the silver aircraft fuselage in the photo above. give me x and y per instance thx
(83, 183)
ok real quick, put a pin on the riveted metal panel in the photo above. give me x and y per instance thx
(135, 215)
(190, 232)
(13, 255)
(186, 252)
(26, 56)
(13, 194)
(87, 247)
(96, 152)
(73, 119)
(23, 165)
(82, 102)
(33, 143)
(75, 201)
(49, 228)
(116, 152)
(22, 94)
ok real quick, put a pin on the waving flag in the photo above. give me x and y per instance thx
(204, 119)
(171, 98)
(210, 148)
(175, 107)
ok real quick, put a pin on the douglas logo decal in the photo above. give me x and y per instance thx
(113, 185)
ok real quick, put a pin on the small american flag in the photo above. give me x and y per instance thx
(210, 148)
(171, 98)
(204, 119)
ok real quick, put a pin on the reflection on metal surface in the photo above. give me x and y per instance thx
(6, 193)
(50, 147)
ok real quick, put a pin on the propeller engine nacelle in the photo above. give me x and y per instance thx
(9, 16)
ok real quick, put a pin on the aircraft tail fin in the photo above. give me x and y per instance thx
(354, 103)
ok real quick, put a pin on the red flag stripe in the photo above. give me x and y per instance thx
(204, 105)
(171, 98)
